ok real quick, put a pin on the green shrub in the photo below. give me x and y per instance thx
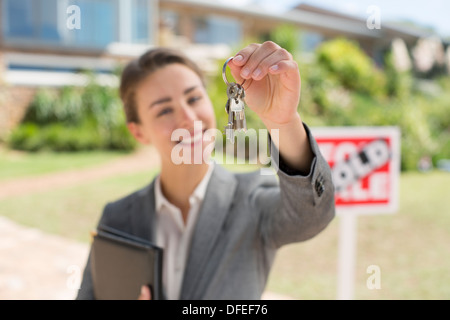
(354, 69)
(398, 83)
(25, 137)
(317, 84)
(120, 139)
(343, 88)
(74, 119)
(286, 36)
(41, 110)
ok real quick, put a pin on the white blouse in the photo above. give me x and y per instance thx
(174, 236)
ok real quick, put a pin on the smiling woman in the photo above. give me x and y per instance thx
(219, 230)
(161, 119)
(138, 69)
(171, 97)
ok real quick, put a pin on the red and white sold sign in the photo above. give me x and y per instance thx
(365, 164)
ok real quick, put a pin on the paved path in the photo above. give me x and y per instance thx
(35, 265)
(39, 266)
(143, 159)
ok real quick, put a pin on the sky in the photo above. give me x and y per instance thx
(432, 13)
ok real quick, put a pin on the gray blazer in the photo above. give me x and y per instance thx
(244, 219)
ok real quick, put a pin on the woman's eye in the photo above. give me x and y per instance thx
(193, 100)
(164, 112)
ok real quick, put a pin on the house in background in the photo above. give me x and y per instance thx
(38, 47)
(36, 37)
(215, 22)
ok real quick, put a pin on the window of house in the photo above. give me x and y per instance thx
(310, 40)
(22, 19)
(217, 29)
(98, 24)
(140, 20)
(171, 20)
(44, 22)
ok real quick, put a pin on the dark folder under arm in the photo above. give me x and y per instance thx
(122, 263)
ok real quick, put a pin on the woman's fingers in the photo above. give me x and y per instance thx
(239, 64)
(145, 293)
(256, 60)
(254, 68)
(284, 66)
(274, 63)
(242, 56)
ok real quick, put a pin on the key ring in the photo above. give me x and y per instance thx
(224, 70)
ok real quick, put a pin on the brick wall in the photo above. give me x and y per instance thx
(13, 104)
(14, 101)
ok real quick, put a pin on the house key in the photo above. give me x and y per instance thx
(234, 107)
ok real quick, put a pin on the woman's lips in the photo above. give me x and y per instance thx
(192, 140)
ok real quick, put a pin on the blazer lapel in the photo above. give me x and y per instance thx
(143, 216)
(218, 199)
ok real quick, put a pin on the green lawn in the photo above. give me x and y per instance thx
(16, 164)
(411, 247)
(72, 211)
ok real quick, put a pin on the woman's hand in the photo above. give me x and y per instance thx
(146, 294)
(273, 85)
(272, 90)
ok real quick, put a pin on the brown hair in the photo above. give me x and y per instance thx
(140, 68)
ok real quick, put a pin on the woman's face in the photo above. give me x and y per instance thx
(171, 98)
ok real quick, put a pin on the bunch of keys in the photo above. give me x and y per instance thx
(234, 107)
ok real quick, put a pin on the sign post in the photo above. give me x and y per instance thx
(346, 256)
(365, 165)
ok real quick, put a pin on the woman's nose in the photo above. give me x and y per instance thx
(187, 116)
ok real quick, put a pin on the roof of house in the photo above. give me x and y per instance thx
(391, 28)
(314, 18)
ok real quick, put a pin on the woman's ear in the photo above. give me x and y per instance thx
(137, 132)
